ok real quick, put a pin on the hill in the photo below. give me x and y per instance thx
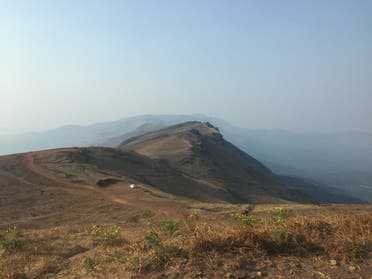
(200, 152)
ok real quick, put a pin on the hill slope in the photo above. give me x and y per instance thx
(199, 151)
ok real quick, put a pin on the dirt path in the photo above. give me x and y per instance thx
(120, 192)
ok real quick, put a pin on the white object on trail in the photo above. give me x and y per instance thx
(133, 186)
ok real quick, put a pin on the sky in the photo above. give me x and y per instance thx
(295, 65)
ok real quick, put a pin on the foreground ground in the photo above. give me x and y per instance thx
(211, 242)
(51, 227)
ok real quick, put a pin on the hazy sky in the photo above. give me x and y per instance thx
(297, 65)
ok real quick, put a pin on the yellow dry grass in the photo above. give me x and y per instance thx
(199, 243)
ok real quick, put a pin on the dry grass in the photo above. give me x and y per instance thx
(194, 244)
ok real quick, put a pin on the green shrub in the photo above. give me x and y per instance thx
(10, 239)
(105, 233)
(282, 236)
(153, 239)
(280, 215)
(193, 216)
(245, 219)
(89, 263)
(118, 254)
(135, 263)
(169, 226)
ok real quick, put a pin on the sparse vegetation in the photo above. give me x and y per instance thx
(170, 227)
(246, 219)
(108, 233)
(153, 239)
(89, 263)
(302, 236)
(280, 215)
(193, 216)
(118, 254)
(345, 238)
(9, 240)
(282, 235)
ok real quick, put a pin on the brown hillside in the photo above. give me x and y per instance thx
(199, 151)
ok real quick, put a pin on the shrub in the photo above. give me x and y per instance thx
(153, 255)
(10, 239)
(136, 263)
(245, 219)
(169, 226)
(153, 239)
(193, 216)
(105, 233)
(280, 215)
(89, 263)
(282, 236)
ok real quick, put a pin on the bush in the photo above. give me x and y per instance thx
(245, 219)
(169, 226)
(10, 239)
(193, 216)
(89, 263)
(136, 264)
(153, 239)
(105, 233)
(282, 236)
(118, 254)
(280, 215)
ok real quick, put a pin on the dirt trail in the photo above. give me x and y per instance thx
(119, 192)
(122, 193)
